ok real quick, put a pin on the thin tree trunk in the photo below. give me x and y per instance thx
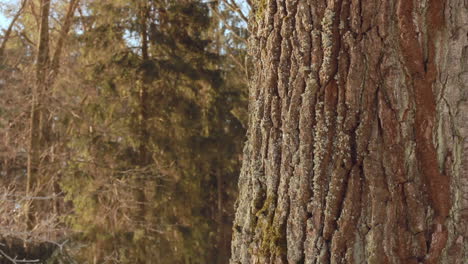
(143, 87)
(143, 135)
(37, 117)
(223, 232)
(54, 71)
(67, 23)
(358, 134)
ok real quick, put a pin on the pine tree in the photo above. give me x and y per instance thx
(155, 117)
(138, 116)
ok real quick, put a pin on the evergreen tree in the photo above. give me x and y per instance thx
(157, 116)
(139, 118)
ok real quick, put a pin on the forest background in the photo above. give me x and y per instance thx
(121, 129)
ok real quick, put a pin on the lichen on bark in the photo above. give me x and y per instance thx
(359, 121)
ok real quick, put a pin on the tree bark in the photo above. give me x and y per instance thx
(143, 135)
(37, 121)
(358, 137)
(67, 23)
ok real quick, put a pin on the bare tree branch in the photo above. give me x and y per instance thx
(15, 261)
(10, 29)
(233, 6)
(233, 30)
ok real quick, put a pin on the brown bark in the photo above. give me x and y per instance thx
(142, 112)
(358, 134)
(144, 157)
(37, 114)
(54, 71)
(67, 23)
(40, 126)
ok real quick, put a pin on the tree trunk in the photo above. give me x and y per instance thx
(41, 132)
(142, 117)
(143, 159)
(38, 117)
(67, 23)
(358, 137)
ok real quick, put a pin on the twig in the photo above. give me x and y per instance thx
(10, 28)
(235, 8)
(15, 261)
(231, 29)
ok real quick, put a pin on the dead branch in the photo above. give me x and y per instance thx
(10, 29)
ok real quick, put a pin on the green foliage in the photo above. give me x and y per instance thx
(187, 128)
(144, 149)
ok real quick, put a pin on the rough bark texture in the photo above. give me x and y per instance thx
(358, 139)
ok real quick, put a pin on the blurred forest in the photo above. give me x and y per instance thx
(121, 129)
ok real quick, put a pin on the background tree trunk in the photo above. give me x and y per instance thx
(38, 117)
(358, 137)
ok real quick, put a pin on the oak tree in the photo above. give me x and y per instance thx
(357, 141)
